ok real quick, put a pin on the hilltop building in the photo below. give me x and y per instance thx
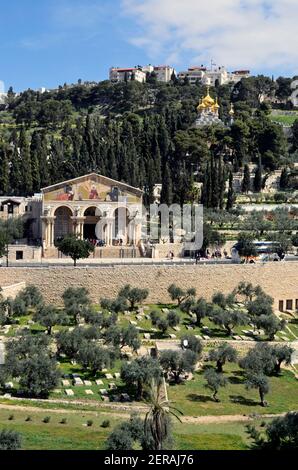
(213, 76)
(163, 73)
(118, 75)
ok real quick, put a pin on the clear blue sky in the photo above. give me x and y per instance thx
(49, 42)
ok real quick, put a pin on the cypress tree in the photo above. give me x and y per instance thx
(166, 196)
(231, 194)
(258, 178)
(44, 162)
(35, 150)
(4, 173)
(26, 166)
(245, 188)
(284, 179)
(15, 172)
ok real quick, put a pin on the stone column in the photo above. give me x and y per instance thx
(48, 227)
(78, 226)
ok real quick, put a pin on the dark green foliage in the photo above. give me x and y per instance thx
(259, 360)
(176, 293)
(48, 316)
(260, 382)
(134, 295)
(128, 434)
(162, 324)
(245, 246)
(200, 309)
(10, 440)
(214, 382)
(30, 359)
(176, 363)
(173, 318)
(76, 300)
(193, 344)
(75, 248)
(106, 424)
(31, 296)
(224, 353)
(227, 319)
(280, 434)
(245, 188)
(140, 373)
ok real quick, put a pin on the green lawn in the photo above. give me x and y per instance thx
(287, 120)
(194, 399)
(75, 435)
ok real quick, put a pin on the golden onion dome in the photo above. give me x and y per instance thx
(208, 101)
(216, 105)
(201, 106)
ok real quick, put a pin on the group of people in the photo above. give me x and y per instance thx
(96, 243)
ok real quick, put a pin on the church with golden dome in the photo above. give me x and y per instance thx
(208, 112)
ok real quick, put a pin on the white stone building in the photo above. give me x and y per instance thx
(164, 73)
(118, 75)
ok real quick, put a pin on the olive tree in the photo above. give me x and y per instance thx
(175, 363)
(260, 382)
(224, 353)
(214, 382)
(134, 295)
(176, 293)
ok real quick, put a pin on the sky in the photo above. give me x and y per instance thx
(45, 43)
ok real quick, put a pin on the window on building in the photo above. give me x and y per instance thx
(296, 304)
(19, 255)
(10, 208)
(281, 306)
(289, 304)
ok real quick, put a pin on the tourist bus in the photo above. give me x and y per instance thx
(266, 251)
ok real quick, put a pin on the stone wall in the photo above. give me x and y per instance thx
(280, 280)
(12, 290)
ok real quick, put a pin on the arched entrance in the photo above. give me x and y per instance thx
(92, 217)
(63, 222)
(121, 224)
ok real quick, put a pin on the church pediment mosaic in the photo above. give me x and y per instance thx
(92, 188)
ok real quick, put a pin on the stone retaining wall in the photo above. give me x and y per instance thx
(12, 290)
(280, 280)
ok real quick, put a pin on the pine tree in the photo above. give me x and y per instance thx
(245, 188)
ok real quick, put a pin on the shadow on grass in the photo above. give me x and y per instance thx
(240, 400)
(199, 398)
(235, 380)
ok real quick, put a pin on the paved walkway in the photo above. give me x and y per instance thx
(142, 410)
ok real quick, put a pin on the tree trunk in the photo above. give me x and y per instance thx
(277, 367)
(219, 366)
(262, 397)
(75, 262)
(215, 396)
(49, 330)
(140, 390)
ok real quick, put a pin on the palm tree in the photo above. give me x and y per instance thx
(158, 419)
